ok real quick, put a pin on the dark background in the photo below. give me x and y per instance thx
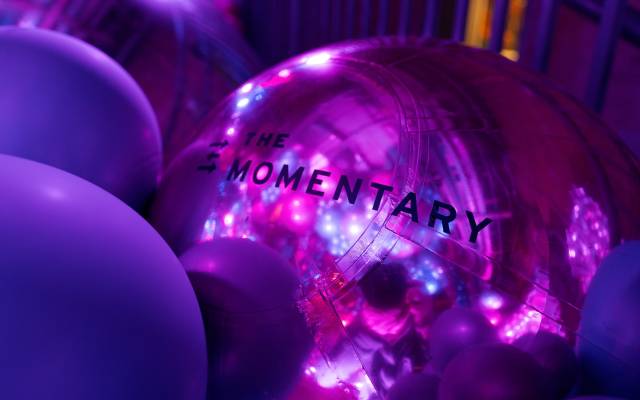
(590, 48)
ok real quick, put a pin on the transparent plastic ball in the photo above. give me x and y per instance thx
(186, 55)
(493, 190)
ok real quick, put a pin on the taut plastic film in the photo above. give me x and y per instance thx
(488, 188)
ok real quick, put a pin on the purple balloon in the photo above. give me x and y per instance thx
(415, 386)
(455, 330)
(66, 104)
(93, 303)
(609, 335)
(186, 55)
(257, 339)
(385, 285)
(493, 372)
(555, 355)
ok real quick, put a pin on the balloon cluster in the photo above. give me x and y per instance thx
(477, 267)
(419, 189)
(186, 56)
(93, 303)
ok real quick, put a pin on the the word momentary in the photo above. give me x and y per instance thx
(287, 177)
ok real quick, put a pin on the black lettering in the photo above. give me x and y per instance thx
(264, 139)
(284, 176)
(235, 171)
(412, 210)
(352, 193)
(476, 228)
(280, 140)
(264, 179)
(446, 219)
(315, 181)
(380, 192)
(250, 136)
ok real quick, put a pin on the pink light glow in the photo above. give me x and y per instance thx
(525, 321)
(345, 375)
(491, 300)
(246, 88)
(318, 161)
(587, 237)
(242, 103)
(317, 59)
(228, 220)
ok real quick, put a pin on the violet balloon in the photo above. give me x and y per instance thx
(66, 104)
(609, 335)
(185, 55)
(418, 386)
(257, 339)
(493, 372)
(385, 285)
(95, 304)
(557, 358)
(455, 330)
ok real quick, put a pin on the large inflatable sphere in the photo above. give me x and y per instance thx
(66, 104)
(93, 303)
(493, 190)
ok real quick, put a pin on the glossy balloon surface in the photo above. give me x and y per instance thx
(556, 357)
(454, 331)
(493, 372)
(93, 303)
(609, 346)
(415, 386)
(360, 154)
(66, 104)
(257, 338)
(185, 55)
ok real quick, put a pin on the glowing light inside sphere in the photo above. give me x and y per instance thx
(317, 59)
(243, 102)
(246, 88)
(469, 173)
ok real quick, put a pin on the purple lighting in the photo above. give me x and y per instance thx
(449, 171)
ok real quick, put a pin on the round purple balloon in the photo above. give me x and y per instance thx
(185, 54)
(66, 104)
(609, 335)
(257, 339)
(493, 372)
(455, 330)
(414, 386)
(93, 303)
(385, 285)
(557, 358)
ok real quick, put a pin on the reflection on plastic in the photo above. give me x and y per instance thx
(454, 126)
